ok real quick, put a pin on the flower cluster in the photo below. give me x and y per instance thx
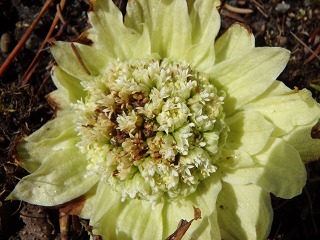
(151, 127)
(157, 117)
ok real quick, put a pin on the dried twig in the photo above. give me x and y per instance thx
(238, 10)
(42, 85)
(64, 225)
(184, 225)
(36, 59)
(260, 8)
(313, 35)
(24, 38)
(312, 56)
(226, 13)
(76, 52)
(59, 12)
(305, 45)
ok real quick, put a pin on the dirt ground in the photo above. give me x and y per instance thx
(294, 25)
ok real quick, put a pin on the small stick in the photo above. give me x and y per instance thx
(227, 13)
(42, 85)
(59, 12)
(260, 8)
(24, 38)
(75, 50)
(238, 10)
(35, 60)
(312, 56)
(305, 45)
(64, 225)
(313, 35)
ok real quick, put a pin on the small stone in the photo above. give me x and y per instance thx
(306, 3)
(282, 7)
(5, 42)
(32, 43)
(282, 41)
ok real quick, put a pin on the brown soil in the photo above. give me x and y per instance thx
(24, 107)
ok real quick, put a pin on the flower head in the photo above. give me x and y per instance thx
(154, 119)
(156, 116)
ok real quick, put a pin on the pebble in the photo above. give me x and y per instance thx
(282, 41)
(306, 3)
(282, 7)
(32, 42)
(5, 42)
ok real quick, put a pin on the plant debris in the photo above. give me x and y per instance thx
(184, 225)
(24, 107)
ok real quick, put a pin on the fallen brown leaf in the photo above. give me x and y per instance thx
(184, 225)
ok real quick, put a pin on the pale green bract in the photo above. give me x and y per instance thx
(157, 116)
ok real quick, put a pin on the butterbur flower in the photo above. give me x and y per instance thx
(156, 117)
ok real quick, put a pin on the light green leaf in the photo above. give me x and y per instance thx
(234, 159)
(203, 198)
(56, 134)
(248, 75)
(237, 39)
(168, 23)
(61, 177)
(59, 100)
(286, 108)
(147, 226)
(249, 131)
(300, 138)
(214, 226)
(109, 34)
(278, 169)
(139, 13)
(205, 21)
(143, 47)
(70, 87)
(89, 204)
(93, 62)
(284, 174)
(131, 219)
(201, 57)
(106, 212)
(244, 212)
